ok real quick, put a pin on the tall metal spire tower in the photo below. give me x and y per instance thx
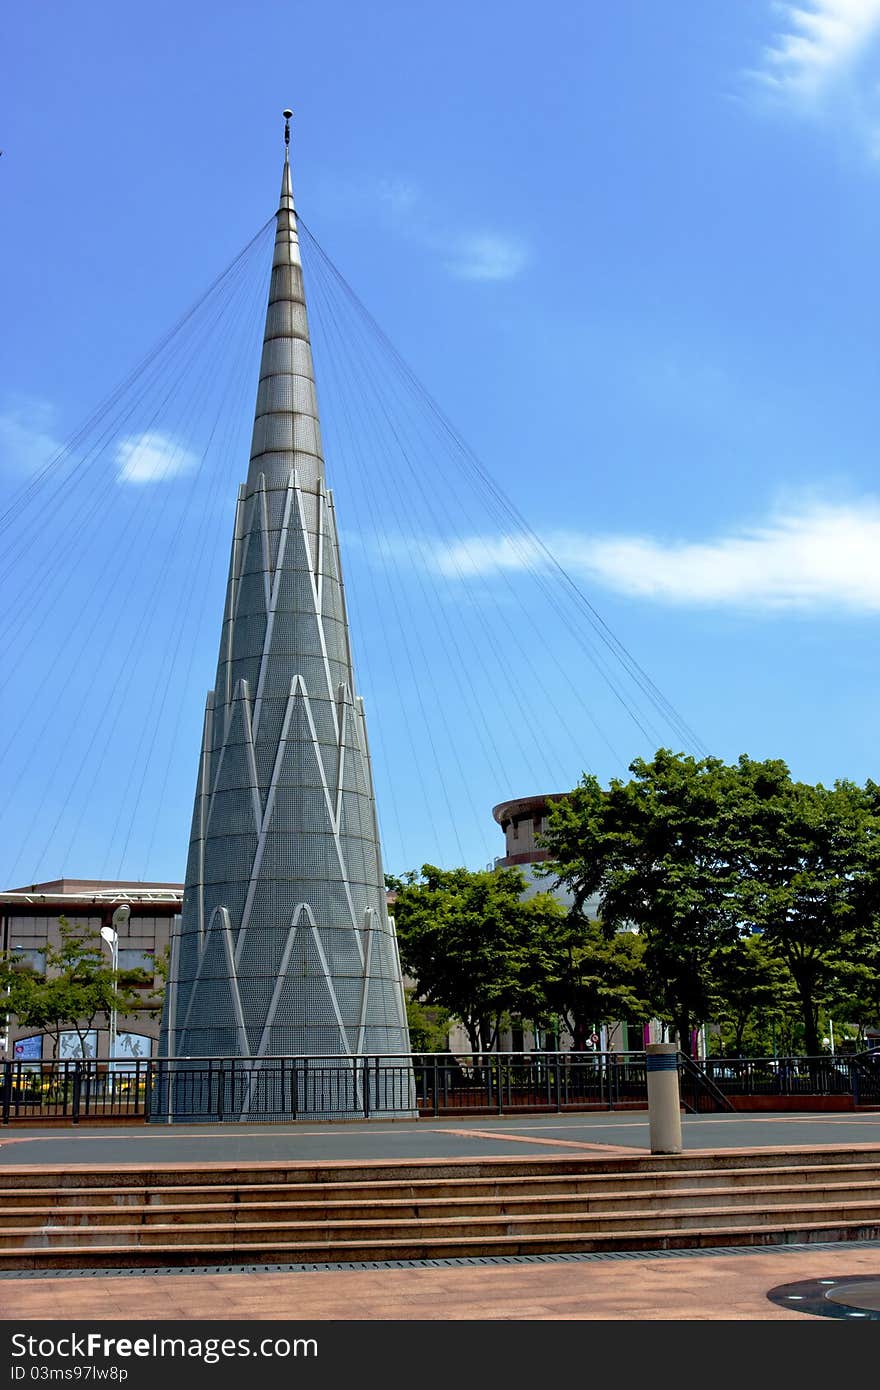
(284, 945)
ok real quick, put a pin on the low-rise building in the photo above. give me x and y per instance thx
(30, 925)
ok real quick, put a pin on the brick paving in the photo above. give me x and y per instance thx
(700, 1287)
(724, 1287)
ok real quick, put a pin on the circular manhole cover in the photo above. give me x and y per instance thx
(854, 1296)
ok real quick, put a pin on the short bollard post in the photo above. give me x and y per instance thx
(664, 1112)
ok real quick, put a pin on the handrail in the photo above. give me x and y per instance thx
(428, 1083)
(704, 1082)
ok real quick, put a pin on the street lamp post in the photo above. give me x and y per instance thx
(111, 936)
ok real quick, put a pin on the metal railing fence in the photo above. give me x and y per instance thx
(279, 1089)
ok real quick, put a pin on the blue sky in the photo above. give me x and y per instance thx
(631, 250)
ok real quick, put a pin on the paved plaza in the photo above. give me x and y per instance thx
(472, 1137)
(729, 1285)
(699, 1286)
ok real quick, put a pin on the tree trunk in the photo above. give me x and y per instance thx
(805, 984)
(812, 1046)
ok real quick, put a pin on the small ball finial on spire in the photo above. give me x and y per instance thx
(287, 115)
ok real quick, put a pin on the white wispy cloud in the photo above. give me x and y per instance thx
(821, 64)
(464, 252)
(487, 256)
(27, 438)
(28, 441)
(819, 43)
(806, 557)
(152, 457)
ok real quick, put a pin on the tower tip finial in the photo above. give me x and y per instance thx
(287, 115)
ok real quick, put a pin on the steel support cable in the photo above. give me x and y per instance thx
(390, 647)
(352, 372)
(520, 544)
(188, 579)
(508, 507)
(185, 344)
(190, 583)
(20, 498)
(158, 516)
(517, 540)
(382, 772)
(188, 695)
(60, 499)
(392, 499)
(56, 656)
(237, 450)
(110, 592)
(150, 611)
(40, 595)
(93, 499)
(606, 635)
(438, 503)
(85, 521)
(524, 614)
(397, 596)
(391, 496)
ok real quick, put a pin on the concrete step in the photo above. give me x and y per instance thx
(234, 1213)
(437, 1187)
(241, 1233)
(658, 1237)
(517, 1202)
(235, 1175)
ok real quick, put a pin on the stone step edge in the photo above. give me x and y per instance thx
(277, 1208)
(871, 1209)
(330, 1171)
(278, 1253)
(533, 1179)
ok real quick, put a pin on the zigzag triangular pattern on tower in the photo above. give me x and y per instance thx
(284, 946)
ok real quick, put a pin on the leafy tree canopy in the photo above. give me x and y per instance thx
(475, 946)
(654, 850)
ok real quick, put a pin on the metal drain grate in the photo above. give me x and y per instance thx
(454, 1262)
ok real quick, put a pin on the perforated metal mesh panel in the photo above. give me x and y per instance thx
(284, 946)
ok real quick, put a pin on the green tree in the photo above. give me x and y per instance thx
(752, 992)
(475, 946)
(855, 994)
(77, 988)
(656, 852)
(602, 979)
(807, 877)
(428, 1024)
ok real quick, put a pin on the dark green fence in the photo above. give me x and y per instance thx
(278, 1089)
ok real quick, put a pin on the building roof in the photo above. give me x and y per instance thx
(93, 890)
(525, 806)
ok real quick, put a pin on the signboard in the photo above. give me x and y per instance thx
(28, 1049)
(71, 1049)
(129, 1049)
